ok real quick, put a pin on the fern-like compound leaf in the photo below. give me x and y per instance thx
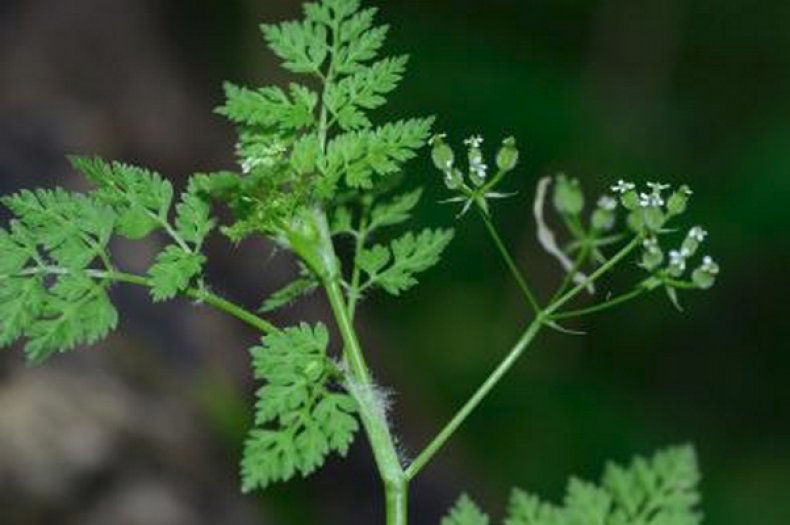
(301, 416)
(48, 293)
(174, 271)
(302, 45)
(661, 490)
(75, 310)
(396, 211)
(141, 198)
(383, 151)
(270, 107)
(394, 268)
(364, 90)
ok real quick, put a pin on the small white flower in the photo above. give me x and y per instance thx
(650, 200)
(437, 137)
(697, 234)
(677, 259)
(651, 245)
(479, 169)
(475, 141)
(623, 187)
(657, 187)
(709, 265)
(607, 202)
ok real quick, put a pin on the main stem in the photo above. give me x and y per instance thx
(361, 386)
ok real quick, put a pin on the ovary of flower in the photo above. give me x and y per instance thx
(475, 141)
(697, 233)
(623, 187)
(607, 202)
(650, 200)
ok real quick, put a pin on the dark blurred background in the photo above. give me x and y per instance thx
(147, 428)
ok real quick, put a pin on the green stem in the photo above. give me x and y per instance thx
(360, 384)
(633, 294)
(511, 263)
(605, 267)
(518, 349)
(438, 442)
(198, 294)
(581, 258)
(204, 296)
(354, 291)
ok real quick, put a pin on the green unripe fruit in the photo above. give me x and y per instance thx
(442, 154)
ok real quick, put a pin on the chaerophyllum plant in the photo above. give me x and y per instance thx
(318, 178)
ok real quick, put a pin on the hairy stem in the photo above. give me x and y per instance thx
(361, 386)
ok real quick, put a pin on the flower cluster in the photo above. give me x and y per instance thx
(703, 277)
(474, 186)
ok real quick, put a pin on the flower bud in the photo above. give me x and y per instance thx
(507, 157)
(678, 201)
(705, 276)
(652, 256)
(568, 196)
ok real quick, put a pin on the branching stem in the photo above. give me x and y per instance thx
(507, 363)
(511, 263)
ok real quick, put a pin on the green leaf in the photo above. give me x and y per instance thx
(21, 302)
(465, 512)
(396, 211)
(297, 288)
(661, 490)
(410, 255)
(526, 509)
(73, 228)
(657, 491)
(76, 310)
(586, 504)
(193, 216)
(360, 41)
(141, 198)
(302, 45)
(270, 107)
(373, 260)
(383, 151)
(300, 416)
(364, 90)
(173, 272)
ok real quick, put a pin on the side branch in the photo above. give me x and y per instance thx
(199, 294)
